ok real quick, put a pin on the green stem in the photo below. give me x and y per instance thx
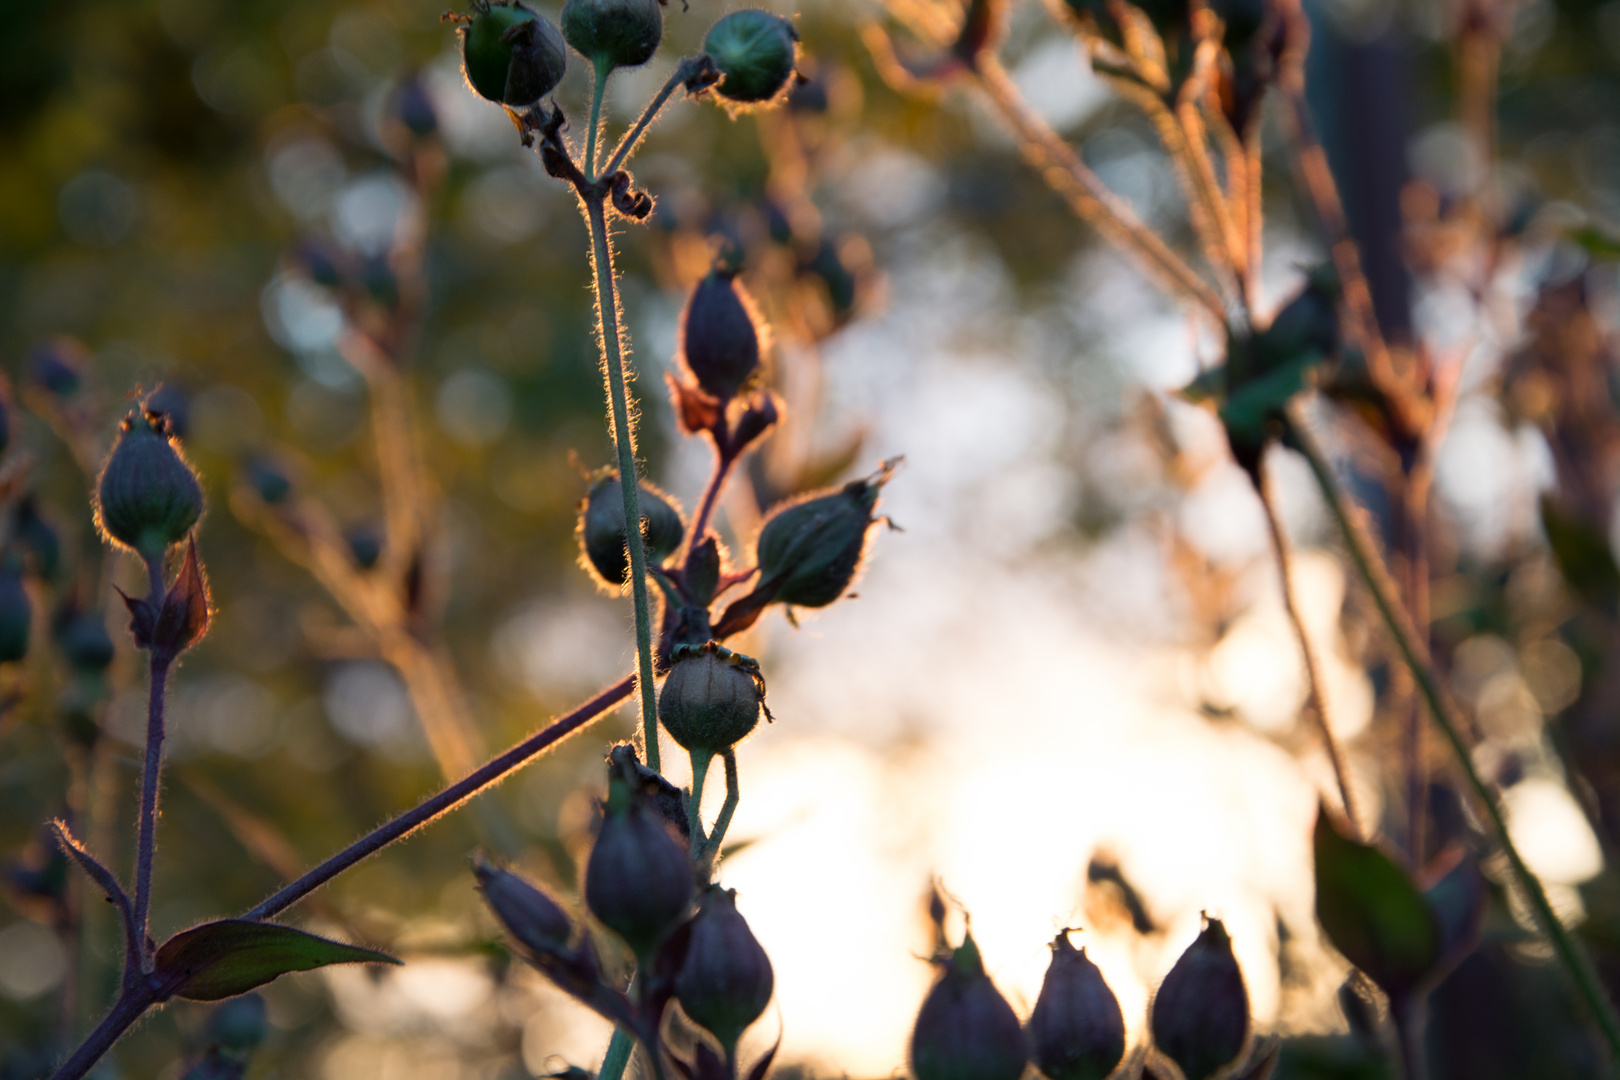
(729, 807)
(607, 316)
(701, 760)
(618, 1055)
(1376, 576)
(627, 145)
(593, 134)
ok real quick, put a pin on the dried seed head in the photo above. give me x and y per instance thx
(614, 33)
(511, 54)
(638, 880)
(720, 335)
(710, 701)
(527, 913)
(1201, 1011)
(966, 1030)
(16, 616)
(148, 497)
(725, 981)
(1077, 1031)
(809, 550)
(755, 52)
(602, 534)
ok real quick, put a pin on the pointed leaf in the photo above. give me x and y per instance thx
(184, 618)
(232, 956)
(1373, 912)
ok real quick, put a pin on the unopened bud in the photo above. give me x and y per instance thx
(755, 52)
(16, 616)
(148, 497)
(966, 1030)
(614, 33)
(268, 479)
(809, 550)
(56, 366)
(720, 334)
(365, 544)
(638, 880)
(528, 914)
(1077, 1031)
(601, 530)
(1201, 1011)
(711, 697)
(725, 981)
(511, 54)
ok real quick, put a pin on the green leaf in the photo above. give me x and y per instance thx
(1582, 554)
(232, 956)
(1597, 243)
(1373, 912)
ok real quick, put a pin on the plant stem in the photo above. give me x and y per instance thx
(617, 1056)
(627, 145)
(711, 495)
(729, 807)
(445, 800)
(1318, 699)
(613, 358)
(1378, 582)
(593, 134)
(701, 760)
(151, 780)
(129, 1007)
(1408, 1019)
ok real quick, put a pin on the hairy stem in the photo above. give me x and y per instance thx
(593, 134)
(151, 780)
(701, 759)
(711, 495)
(129, 1008)
(627, 145)
(613, 359)
(1379, 584)
(729, 807)
(617, 1056)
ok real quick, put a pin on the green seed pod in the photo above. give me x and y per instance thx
(755, 52)
(614, 33)
(602, 534)
(1201, 1011)
(638, 880)
(148, 497)
(966, 1030)
(16, 616)
(711, 698)
(1077, 1031)
(528, 914)
(725, 981)
(720, 334)
(810, 549)
(512, 54)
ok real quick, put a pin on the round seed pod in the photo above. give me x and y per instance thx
(614, 33)
(512, 54)
(725, 981)
(755, 51)
(16, 616)
(810, 549)
(1201, 1011)
(148, 497)
(966, 1030)
(720, 335)
(1077, 1031)
(601, 528)
(638, 880)
(82, 636)
(709, 704)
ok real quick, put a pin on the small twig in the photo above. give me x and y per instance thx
(690, 69)
(109, 884)
(729, 807)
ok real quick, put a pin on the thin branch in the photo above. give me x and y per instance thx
(151, 781)
(109, 884)
(689, 69)
(130, 1007)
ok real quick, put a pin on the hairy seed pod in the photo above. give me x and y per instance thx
(725, 981)
(720, 335)
(527, 913)
(709, 702)
(602, 534)
(1077, 1031)
(1201, 1011)
(810, 549)
(16, 616)
(148, 497)
(638, 880)
(966, 1030)
(512, 54)
(614, 33)
(755, 52)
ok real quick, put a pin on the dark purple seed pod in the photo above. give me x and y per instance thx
(148, 497)
(16, 616)
(966, 1030)
(720, 335)
(511, 54)
(638, 880)
(710, 700)
(809, 550)
(527, 913)
(725, 981)
(1077, 1031)
(1201, 1011)
(601, 528)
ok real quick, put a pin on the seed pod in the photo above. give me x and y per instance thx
(809, 550)
(512, 54)
(148, 497)
(82, 636)
(710, 700)
(614, 33)
(1201, 1012)
(238, 1025)
(16, 616)
(966, 1030)
(1077, 1031)
(725, 981)
(365, 544)
(755, 52)
(638, 880)
(720, 335)
(413, 108)
(527, 913)
(268, 479)
(602, 534)
(57, 365)
(173, 404)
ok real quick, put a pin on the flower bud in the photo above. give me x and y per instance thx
(56, 366)
(614, 33)
(148, 497)
(1077, 1031)
(602, 533)
(720, 335)
(711, 697)
(365, 544)
(528, 914)
(638, 880)
(725, 980)
(16, 616)
(755, 52)
(809, 550)
(966, 1030)
(511, 53)
(1201, 1011)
